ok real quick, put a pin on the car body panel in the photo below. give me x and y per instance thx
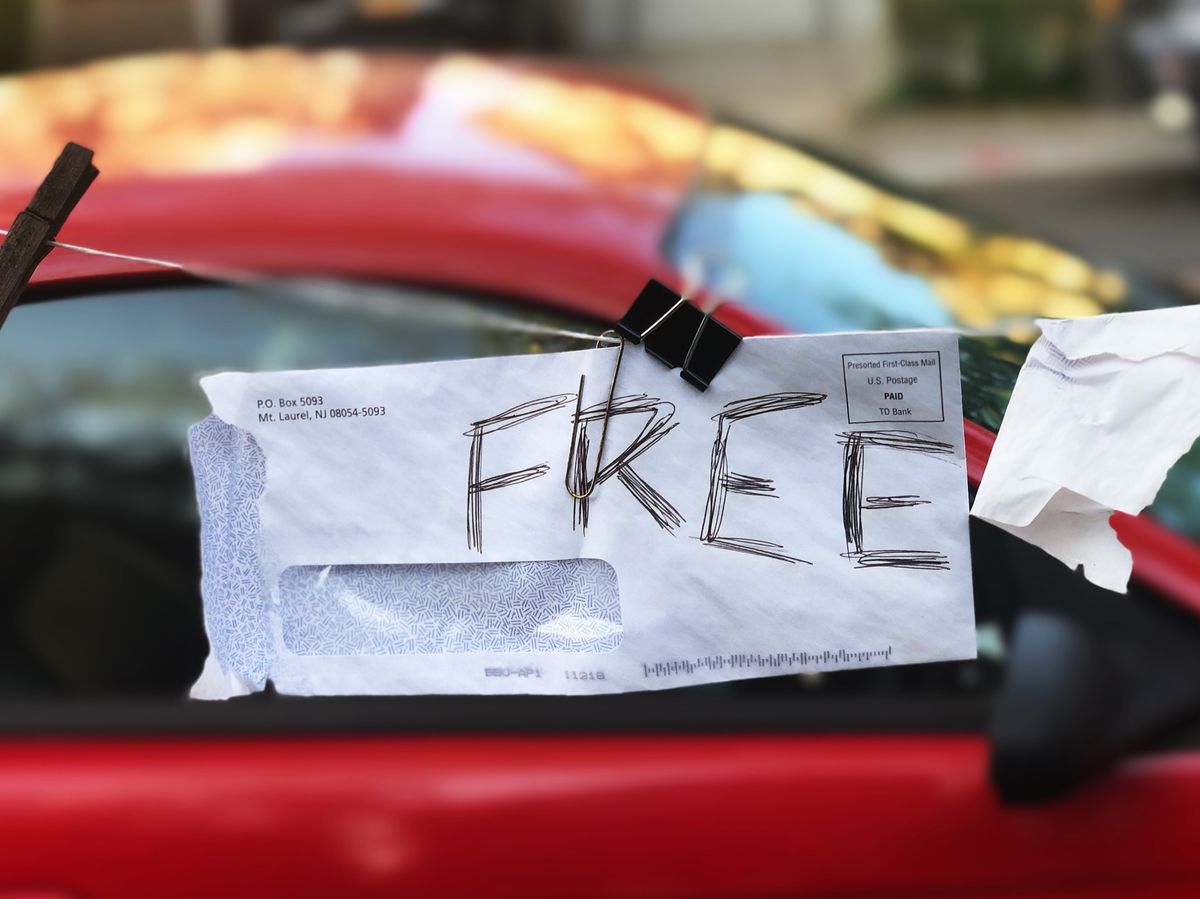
(602, 816)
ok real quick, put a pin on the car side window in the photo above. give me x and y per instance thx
(98, 522)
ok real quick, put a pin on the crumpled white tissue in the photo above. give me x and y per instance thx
(1102, 409)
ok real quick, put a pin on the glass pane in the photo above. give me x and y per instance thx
(98, 521)
(97, 505)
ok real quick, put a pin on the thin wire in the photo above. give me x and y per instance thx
(662, 318)
(322, 293)
(708, 314)
(494, 320)
(90, 251)
(612, 388)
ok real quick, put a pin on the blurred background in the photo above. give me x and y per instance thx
(1074, 117)
(358, 182)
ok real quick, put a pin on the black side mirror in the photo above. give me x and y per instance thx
(1052, 723)
(1087, 685)
(1091, 676)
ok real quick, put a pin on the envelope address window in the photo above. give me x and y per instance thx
(567, 605)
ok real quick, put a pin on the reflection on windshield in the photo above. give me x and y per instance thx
(781, 218)
(820, 249)
(117, 376)
(751, 239)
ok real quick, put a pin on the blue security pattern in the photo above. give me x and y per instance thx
(231, 471)
(568, 605)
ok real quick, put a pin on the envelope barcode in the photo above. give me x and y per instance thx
(767, 660)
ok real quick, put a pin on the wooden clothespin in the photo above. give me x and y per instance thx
(28, 241)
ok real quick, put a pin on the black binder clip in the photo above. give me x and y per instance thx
(677, 334)
(29, 239)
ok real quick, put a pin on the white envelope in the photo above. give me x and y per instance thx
(408, 529)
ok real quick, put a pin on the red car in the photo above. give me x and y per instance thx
(400, 189)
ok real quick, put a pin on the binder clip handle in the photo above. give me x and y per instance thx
(710, 350)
